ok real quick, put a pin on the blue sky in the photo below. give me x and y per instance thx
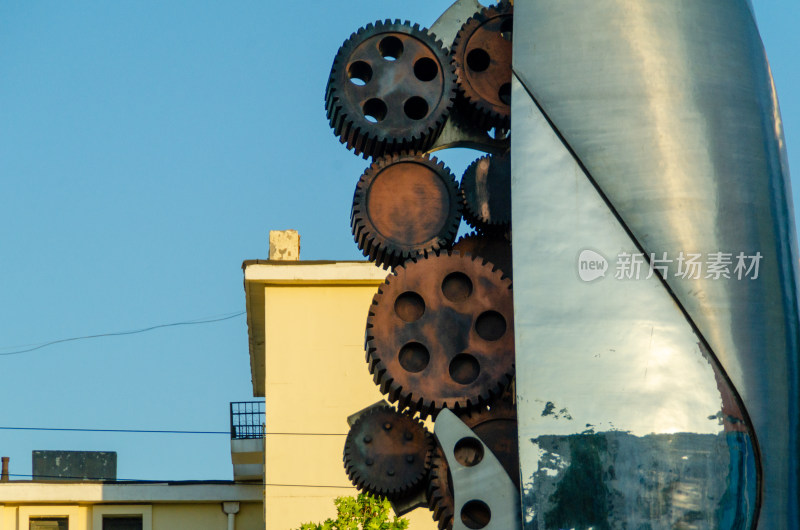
(146, 149)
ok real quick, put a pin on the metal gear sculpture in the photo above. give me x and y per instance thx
(388, 453)
(497, 428)
(440, 329)
(405, 206)
(440, 334)
(486, 194)
(390, 89)
(482, 62)
(494, 248)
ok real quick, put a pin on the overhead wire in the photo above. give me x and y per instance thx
(120, 333)
(156, 431)
(134, 480)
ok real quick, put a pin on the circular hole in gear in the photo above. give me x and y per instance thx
(505, 93)
(409, 306)
(391, 48)
(413, 357)
(468, 452)
(359, 73)
(475, 514)
(478, 60)
(490, 325)
(457, 287)
(464, 368)
(374, 110)
(416, 108)
(426, 69)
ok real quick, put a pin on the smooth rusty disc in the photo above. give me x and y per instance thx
(440, 334)
(388, 453)
(481, 55)
(486, 193)
(405, 206)
(390, 89)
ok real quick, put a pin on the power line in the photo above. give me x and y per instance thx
(119, 333)
(154, 431)
(111, 482)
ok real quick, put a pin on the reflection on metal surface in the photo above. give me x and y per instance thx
(484, 495)
(670, 108)
(622, 412)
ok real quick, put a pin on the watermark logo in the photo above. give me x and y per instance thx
(686, 265)
(591, 265)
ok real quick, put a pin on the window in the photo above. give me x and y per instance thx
(122, 522)
(122, 517)
(48, 523)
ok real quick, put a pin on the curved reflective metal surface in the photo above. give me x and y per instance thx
(624, 418)
(669, 107)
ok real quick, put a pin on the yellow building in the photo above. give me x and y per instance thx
(306, 323)
(31, 505)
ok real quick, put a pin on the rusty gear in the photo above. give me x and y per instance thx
(405, 205)
(494, 248)
(486, 193)
(388, 453)
(440, 334)
(497, 428)
(390, 89)
(481, 55)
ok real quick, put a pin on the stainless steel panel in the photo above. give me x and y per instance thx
(625, 420)
(670, 107)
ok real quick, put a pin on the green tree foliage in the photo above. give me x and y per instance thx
(360, 513)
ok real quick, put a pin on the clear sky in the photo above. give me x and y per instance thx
(146, 149)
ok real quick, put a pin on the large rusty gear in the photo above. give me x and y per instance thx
(405, 206)
(486, 193)
(388, 453)
(481, 55)
(494, 248)
(390, 89)
(497, 428)
(440, 334)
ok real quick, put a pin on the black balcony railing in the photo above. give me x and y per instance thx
(247, 419)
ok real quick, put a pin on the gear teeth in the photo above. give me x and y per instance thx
(496, 186)
(347, 119)
(370, 449)
(382, 328)
(483, 114)
(367, 230)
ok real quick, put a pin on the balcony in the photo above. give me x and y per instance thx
(247, 440)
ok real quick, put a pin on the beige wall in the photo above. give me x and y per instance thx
(206, 516)
(315, 376)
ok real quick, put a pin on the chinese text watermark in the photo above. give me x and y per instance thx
(686, 265)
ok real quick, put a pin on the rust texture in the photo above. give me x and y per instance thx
(486, 193)
(390, 89)
(388, 453)
(497, 428)
(440, 333)
(405, 206)
(482, 61)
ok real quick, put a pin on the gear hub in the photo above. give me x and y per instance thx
(440, 334)
(405, 206)
(390, 89)
(388, 453)
(482, 61)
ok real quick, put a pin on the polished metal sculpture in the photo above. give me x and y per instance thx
(657, 321)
